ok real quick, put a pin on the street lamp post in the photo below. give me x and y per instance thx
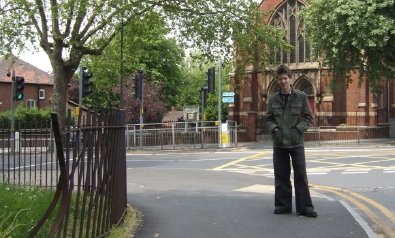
(219, 103)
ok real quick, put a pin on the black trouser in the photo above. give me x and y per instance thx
(282, 181)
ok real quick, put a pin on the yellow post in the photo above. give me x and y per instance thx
(225, 137)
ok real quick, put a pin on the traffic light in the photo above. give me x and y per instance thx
(138, 85)
(19, 87)
(86, 82)
(211, 80)
(203, 97)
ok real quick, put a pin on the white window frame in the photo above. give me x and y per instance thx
(41, 94)
(30, 103)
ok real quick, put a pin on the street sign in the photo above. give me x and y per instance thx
(228, 99)
(228, 94)
(191, 113)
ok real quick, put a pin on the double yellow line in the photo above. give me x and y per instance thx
(362, 202)
(365, 204)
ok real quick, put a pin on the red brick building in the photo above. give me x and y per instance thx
(38, 84)
(352, 105)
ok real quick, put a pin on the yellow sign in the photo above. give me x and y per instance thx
(77, 111)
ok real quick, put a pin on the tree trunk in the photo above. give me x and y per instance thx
(62, 76)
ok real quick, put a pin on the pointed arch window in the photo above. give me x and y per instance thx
(292, 38)
(287, 17)
(301, 48)
(284, 53)
(304, 85)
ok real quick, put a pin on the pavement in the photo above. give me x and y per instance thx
(210, 216)
(177, 207)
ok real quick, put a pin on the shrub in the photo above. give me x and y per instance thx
(25, 117)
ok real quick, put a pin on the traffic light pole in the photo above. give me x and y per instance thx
(142, 105)
(141, 108)
(80, 87)
(13, 110)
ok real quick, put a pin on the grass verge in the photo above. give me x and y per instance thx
(132, 222)
(21, 208)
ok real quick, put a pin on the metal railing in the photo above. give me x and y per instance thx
(326, 135)
(200, 135)
(181, 135)
(91, 192)
(27, 155)
(86, 166)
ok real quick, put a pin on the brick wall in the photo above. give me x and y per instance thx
(31, 92)
(350, 104)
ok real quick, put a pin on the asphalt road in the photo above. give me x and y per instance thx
(230, 193)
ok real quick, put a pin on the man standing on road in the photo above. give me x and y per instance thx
(288, 116)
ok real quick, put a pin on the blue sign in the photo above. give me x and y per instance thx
(228, 94)
(228, 99)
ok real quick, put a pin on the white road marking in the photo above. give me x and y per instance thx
(141, 154)
(359, 219)
(356, 172)
(317, 173)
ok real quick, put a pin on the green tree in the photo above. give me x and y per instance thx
(154, 107)
(194, 77)
(357, 34)
(211, 111)
(147, 47)
(255, 41)
(70, 29)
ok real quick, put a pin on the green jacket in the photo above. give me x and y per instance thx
(291, 119)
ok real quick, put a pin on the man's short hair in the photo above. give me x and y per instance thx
(283, 69)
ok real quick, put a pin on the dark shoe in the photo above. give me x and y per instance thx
(308, 213)
(282, 210)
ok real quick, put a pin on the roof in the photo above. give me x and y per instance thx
(173, 116)
(31, 74)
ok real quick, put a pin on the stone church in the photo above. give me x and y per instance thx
(346, 105)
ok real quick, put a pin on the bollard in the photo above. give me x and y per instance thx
(17, 141)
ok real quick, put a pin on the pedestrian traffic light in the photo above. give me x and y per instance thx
(211, 80)
(138, 85)
(19, 88)
(86, 82)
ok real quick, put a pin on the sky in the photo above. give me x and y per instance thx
(38, 59)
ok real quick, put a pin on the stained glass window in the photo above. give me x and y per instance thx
(287, 17)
